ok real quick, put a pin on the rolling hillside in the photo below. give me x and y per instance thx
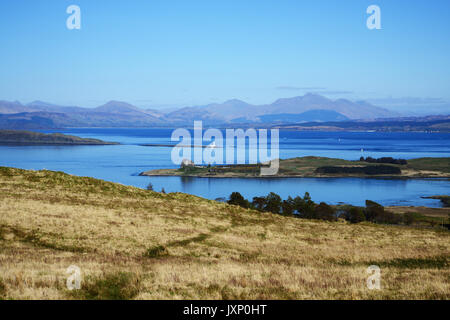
(131, 243)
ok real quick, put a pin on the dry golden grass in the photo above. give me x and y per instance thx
(133, 243)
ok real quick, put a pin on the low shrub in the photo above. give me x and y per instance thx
(157, 251)
(384, 160)
(355, 215)
(237, 199)
(113, 286)
(2, 290)
(375, 212)
(408, 218)
(369, 170)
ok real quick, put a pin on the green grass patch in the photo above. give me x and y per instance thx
(437, 262)
(36, 239)
(113, 286)
(185, 242)
(2, 290)
(156, 251)
(434, 164)
(7, 172)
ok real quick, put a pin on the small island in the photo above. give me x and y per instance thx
(15, 137)
(319, 167)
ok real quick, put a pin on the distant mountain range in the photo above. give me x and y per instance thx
(237, 111)
(317, 115)
(310, 107)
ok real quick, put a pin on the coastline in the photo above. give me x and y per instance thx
(31, 143)
(151, 173)
(309, 167)
(31, 138)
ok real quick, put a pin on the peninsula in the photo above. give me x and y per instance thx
(13, 137)
(320, 167)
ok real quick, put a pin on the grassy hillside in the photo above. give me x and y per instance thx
(307, 167)
(135, 244)
(37, 138)
(430, 164)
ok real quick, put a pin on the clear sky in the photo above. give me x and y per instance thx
(178, 53)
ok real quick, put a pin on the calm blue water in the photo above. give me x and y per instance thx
(122, 163)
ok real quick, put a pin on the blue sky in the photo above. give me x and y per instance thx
(177, 53)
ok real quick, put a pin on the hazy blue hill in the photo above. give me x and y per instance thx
(211, 113)
(10, 107)
(307, 108)
(437, 123)
(118, 107)
(312, 115)
(41, 115)
(49, 107)
(310, 101)
(28, 120)
(235, 111)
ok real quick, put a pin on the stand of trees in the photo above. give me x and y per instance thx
(384, 160)
(304, 207)
(369, 170)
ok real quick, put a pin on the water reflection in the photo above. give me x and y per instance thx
(122, 163)
(330, 190)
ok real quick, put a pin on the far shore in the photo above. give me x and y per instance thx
(31, 138)
(161, 173)
(173, 145)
